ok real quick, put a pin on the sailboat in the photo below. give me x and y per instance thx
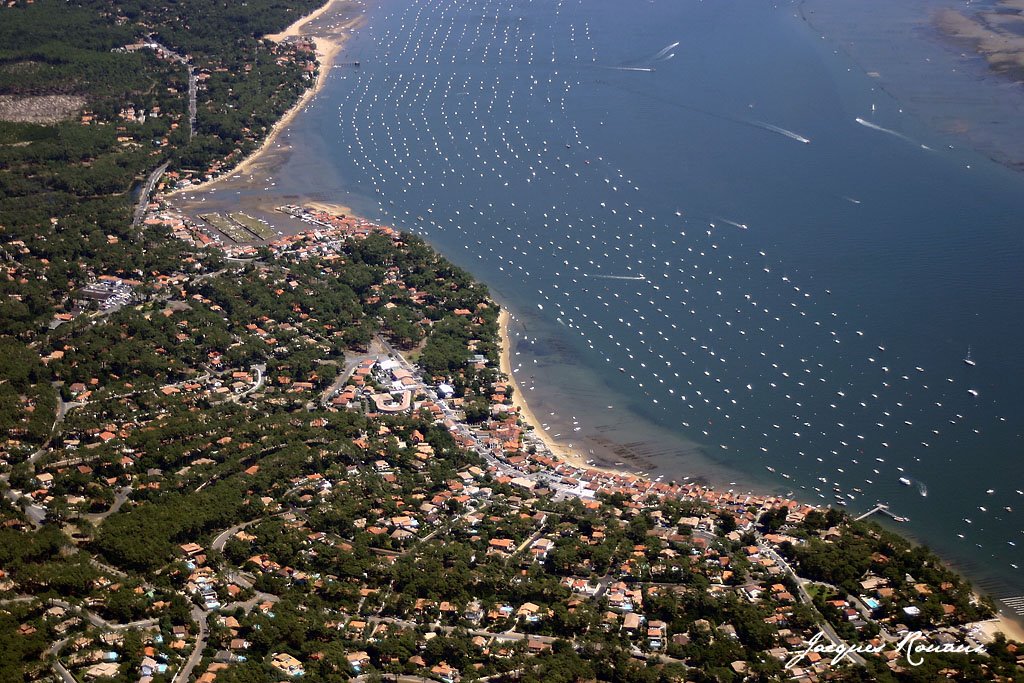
(968, 360)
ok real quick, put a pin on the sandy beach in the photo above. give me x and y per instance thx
(330, 207)
(329, 42)
(1010, 628)
(295, 29)
(560, 450)
(519, 401)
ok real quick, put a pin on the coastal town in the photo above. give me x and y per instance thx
(249, 443)
(365, 505)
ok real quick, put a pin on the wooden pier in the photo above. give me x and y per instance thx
(882, 508)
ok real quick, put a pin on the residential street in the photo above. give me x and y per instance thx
(199, 616)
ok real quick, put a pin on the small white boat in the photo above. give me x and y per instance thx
(904, 481)
(968, 360)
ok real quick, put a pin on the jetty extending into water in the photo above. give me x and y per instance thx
(882, 508)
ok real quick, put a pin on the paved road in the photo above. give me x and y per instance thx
(375, 349)
(54, 650)
(147, 190)
(199, 616)
(409, 678)
(533, 537)
(448, 526)
(191, 101)
(823, 624)
(392, 351)
(35, 513)
(119, 499)
(507, 636)
(62, 672)
(192, 86)
(222, 538)
(247, 605)
(100, 622)
(602, 586)
(20, 598)
(64, 407)
(107, 568)
(503, 636)
(260, 378)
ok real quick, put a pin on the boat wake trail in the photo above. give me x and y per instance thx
(644, 63)
(616, 277)
(741, 226)
(882, 129)
(630, 68)
(781, 131)
(664, 51)
(658, 97)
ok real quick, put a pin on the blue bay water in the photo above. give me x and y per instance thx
(727, 247)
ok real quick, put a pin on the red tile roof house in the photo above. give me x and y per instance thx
(631, 622)
(503, 546)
